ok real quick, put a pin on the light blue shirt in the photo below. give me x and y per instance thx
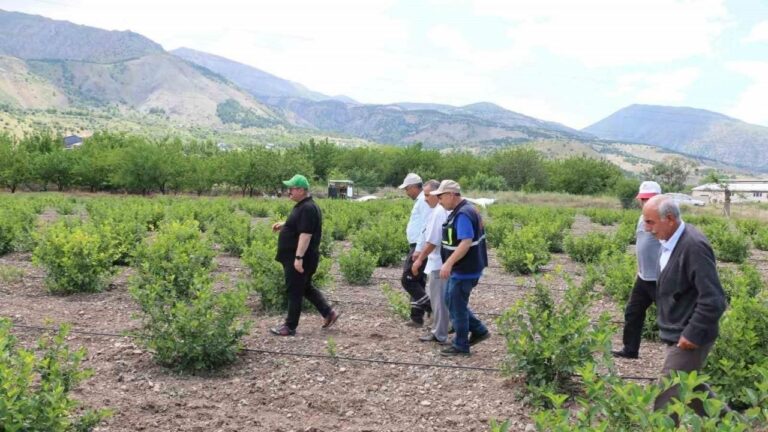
(667, 247)
(418, 221)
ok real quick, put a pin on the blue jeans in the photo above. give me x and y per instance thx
(464, 321)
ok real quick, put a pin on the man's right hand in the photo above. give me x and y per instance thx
(277, 226)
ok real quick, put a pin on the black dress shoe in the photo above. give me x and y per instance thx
(476, 339)
(415, 324)
(624, 354)
(451, 351)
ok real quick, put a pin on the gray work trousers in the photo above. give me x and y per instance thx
(440, 317)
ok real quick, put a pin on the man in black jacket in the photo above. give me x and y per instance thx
(689, 299)
(298, 250)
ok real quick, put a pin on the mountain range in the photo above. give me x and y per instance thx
(47, 64)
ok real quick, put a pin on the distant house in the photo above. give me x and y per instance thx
(741, 191)
(72, 142)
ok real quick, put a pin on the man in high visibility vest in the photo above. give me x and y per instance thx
(465, 255)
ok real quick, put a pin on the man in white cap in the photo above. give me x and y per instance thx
(415, 285)
(643, 294)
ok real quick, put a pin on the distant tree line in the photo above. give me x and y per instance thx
(136, 164)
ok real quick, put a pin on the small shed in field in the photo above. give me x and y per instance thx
(340, 189)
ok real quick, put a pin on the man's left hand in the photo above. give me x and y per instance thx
(685, 344)
(416, 267)
(298, 265)
(445, 270)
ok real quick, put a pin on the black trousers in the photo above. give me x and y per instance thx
(300, 287)
(643, 295)
(415, 286)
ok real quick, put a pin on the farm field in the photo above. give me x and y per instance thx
(369, 372)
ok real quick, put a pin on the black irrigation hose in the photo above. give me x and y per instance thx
(323, 356)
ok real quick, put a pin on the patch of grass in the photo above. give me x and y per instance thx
(10, 274)
(398, 302)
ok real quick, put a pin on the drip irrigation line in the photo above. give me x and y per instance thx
(321, 356)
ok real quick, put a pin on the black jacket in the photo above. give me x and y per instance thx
(690, 299)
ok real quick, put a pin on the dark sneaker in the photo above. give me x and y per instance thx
(331, 319)
(452, 351)
(624, 354)
(282, 330)
(415, 324)
(476, 339)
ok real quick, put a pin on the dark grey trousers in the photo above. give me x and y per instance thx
(685, 361)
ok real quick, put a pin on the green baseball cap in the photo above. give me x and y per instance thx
(297, 181)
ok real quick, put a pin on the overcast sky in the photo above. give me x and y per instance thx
(571, 61)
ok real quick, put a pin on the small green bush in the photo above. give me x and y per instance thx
(749, 227)
(524, 250)
(386, 241)
(729, 245)
(35, 390)
(603, 216)
(744, 282)
(741, 350)
(619, 272)
(588, 248)
(611, 404)
(761, 239)
(176, 257)
(233, 232)
(357, 266)
(75, 258)
(547, 341)
(268, 278)
(399, 303)
(200, 332)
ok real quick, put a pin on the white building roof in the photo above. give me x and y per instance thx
(757, 186)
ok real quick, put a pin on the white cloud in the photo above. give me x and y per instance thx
(759, 33)
(612, 32)
(750, 106)
(656, 88)
(459, 49)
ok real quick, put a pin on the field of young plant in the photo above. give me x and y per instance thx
(166, 302)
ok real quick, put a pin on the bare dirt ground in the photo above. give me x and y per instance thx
(266, 392)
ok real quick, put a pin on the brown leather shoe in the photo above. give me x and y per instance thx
(282, 330)
(331, 319)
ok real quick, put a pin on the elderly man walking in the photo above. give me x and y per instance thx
(429, 244)
(643, 293)
(298, 250)
(464, 255)
(415, 285)
(689, 298)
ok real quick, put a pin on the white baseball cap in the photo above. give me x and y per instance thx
(447, 186)
(410, 179)
(648, 189)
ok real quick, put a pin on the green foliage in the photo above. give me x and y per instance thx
(617, 272)
(76, 258)
(16, 225)
(729, 244)
(230, 111)
(672, 174)
(604, 216)
(524, 250)
(548, 341)
(330, 347)
(267, 274)
(357, 266)
(626, 190)
(9, 275)
(583, 175)
(386, 241)
(176, 259)
(483, 182)
(612, 404)
(233, 232)
(588, 248)
(761, 239)
(744, 282)
(521, 168)
(399, 303)
(35, 390)
(749, 227)
(741, 350)
(199, 332)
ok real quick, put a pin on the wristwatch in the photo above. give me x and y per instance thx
(299, 257)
